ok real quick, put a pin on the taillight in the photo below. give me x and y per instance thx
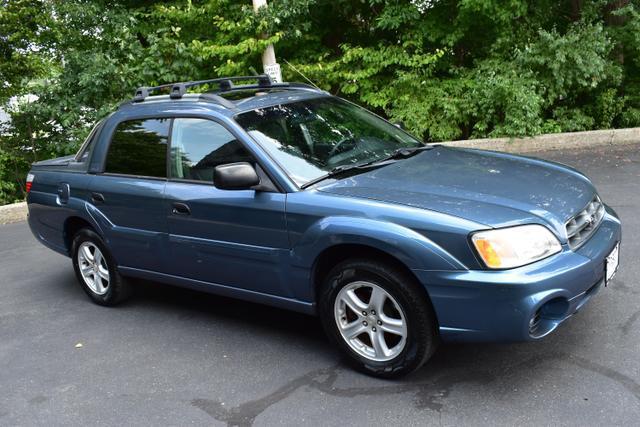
(30, 177)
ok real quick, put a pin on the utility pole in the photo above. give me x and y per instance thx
(269, 64)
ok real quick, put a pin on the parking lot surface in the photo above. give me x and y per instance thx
(171, 356)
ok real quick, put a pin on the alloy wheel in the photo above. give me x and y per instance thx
(93, 268)
(370, 321)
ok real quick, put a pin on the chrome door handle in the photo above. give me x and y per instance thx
(180, 209)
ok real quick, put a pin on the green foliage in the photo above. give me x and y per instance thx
(21, 23)
(446, 69)
(11, 164)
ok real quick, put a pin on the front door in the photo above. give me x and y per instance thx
(235, 238)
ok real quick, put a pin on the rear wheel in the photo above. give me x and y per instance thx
(96, 271)
(379, 317)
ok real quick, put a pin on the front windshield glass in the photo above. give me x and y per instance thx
(310, 138)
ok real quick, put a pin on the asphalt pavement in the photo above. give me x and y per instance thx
(171, 356)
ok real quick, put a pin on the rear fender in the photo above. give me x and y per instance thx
(49, 214)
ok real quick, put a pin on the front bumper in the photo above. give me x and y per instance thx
(525, 303)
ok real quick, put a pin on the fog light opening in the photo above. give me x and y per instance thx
(554, 309)
(535, 321)
(548, 316)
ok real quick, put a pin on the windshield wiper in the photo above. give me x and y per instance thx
(400, 153)
(338, 170)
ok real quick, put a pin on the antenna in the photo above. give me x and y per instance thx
(303, 76)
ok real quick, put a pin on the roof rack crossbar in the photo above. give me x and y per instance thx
(177, 90)
(229, 88)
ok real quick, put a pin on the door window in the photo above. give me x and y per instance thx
(139, 147)
(199, 145)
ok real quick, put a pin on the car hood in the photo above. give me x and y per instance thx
(494, 189)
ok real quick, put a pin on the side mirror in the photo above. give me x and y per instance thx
(235, 176)
(399, 125)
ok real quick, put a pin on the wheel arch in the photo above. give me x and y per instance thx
(72, 225)
(336, 254)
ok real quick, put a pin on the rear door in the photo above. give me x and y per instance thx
(236, 238)
(127, 198)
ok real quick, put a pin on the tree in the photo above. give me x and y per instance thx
(447, 69)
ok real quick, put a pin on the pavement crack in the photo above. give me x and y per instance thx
(625, 381)
(246, 413)
(428, 394)
(626, 327)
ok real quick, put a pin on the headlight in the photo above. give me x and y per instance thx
(515, 246)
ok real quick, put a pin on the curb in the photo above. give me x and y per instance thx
(554, 141)
(13, 213)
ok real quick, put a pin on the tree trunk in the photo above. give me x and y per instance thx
(615, 21)
(612, 19)
(576, 9)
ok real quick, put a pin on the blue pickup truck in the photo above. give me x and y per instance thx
(282, 194)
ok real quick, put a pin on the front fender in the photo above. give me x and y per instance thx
(411, 248)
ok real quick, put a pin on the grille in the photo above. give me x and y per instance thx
(582, 226)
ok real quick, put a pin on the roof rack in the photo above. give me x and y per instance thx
(226, 87)
(177, 90)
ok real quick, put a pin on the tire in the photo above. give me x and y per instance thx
(109, 289)
(405, 310)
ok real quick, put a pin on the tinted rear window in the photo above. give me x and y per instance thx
(139, 147)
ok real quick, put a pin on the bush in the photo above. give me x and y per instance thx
(446, 69)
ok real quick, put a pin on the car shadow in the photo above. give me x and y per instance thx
(193, 304)
(479, 361)
(493, 371)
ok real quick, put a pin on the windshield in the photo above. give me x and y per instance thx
(310, 138)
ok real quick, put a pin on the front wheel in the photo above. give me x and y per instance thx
(379, 317)
(96, 270)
